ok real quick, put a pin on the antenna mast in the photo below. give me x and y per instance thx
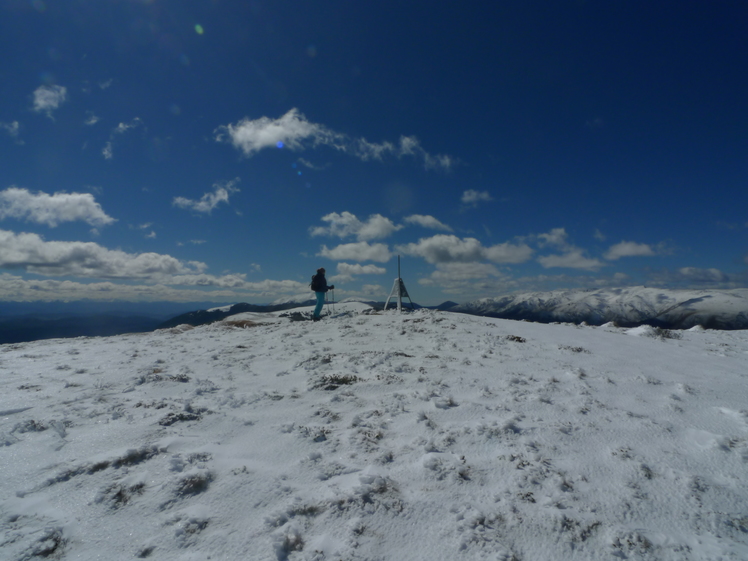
(398, 291)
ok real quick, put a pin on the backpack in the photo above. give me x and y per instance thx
(316, 284)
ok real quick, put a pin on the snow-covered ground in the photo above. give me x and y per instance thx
(426, 435)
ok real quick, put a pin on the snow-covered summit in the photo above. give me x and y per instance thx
(376, 435)
(678, 309)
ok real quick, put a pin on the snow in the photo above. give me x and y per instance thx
(376, 436)
(221, 308)
(725, 309)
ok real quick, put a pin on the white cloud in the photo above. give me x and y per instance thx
(468, 279)
(574, 259)
(52, 209)
(31, 253)
(444, 248)
(356, 269)
(203, 279)
(124, 127)
(372, 290)
(347, 224)
(210, 200)
(49, 98)
(360, 251)
(426, 221)
(599, 236)
(108, 150)
(13, 129)
(556, 237)
(347, 271)
(91, 118)
(629, 249)
(307, 164)
(294, 132)
(15, 288)
(694, 274)
(451, 273)
(472, 197)
(509, 253)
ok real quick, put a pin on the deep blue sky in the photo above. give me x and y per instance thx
(224, 149)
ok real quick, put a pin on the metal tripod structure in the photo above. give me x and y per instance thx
(399, 291)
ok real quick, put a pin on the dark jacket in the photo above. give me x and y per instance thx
(319, 283)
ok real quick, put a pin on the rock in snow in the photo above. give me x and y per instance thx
(368, 436)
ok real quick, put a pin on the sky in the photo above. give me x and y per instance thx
(223, 150)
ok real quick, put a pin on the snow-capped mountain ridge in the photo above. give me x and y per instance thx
(675, 309)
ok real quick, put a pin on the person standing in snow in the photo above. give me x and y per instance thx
(319, 286)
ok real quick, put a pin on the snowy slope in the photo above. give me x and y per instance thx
(675, 309)
(427, 435)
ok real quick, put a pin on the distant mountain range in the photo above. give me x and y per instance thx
(202, 317)
(32, 321)
(627, 307)
(24, 328)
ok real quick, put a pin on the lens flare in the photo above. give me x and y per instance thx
(199, 29)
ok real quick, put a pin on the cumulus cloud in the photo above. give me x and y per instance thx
(705, 276)
(294, 132)
(359, 251)
(210, 200)
(356, 269)
(426, 221)
(31, 253)
(347, 224)
(15, 288)
(471, 197)
(451, 273)
(444, 248)
(51, 210)
(574, 259)
(347, 271)
(557, 237)
(49, 98)
(629, 249)
(697, 277)
(468, 279)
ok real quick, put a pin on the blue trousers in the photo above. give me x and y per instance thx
(320, 303)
